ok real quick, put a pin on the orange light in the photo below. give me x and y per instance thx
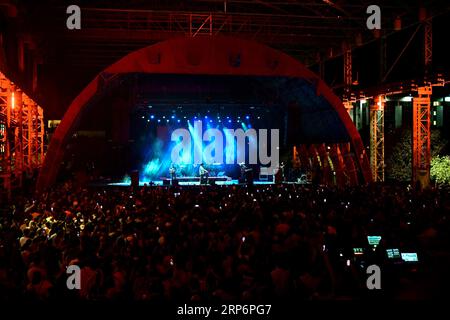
(13, 101)
(380, 103)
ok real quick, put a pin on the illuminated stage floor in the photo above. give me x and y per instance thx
(182, 183)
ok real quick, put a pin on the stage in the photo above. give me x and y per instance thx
(184, 183)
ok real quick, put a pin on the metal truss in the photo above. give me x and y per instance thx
(421, 154)
(377, 138)
(428, 43)
(348, 70)
(21, 136)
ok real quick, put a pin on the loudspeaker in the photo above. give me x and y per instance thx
(134, 179)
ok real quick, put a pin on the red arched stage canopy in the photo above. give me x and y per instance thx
(204, 56)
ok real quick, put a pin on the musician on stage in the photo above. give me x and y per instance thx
(243, 168)
(282, 166)
(173, 173)
(203, 174)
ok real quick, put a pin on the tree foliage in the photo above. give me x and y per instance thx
(398, 165)
(440, 170)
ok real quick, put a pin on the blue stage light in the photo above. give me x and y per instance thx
(178, 120)
(159, 120)
(184, 117)
(148, 120)
(229, 121)
(247, 117)
(167, 120)
(152, 117)
(206, 117)
(210, 120)
(164, 117)
(228, 117)
(173, 117)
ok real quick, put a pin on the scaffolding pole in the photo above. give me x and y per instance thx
(377, 138)
(22, 135)
(421, 137)
(6, 101)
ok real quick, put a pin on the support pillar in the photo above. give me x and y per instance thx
(349, 161)
(421, 153)
(327, 171)
(377, 138)
(338, 165)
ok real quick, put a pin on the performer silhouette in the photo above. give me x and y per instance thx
(203, 174)
(173, 173)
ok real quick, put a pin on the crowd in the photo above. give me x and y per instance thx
(223, 243)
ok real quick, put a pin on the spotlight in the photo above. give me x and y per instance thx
(152, 117)
(228, 117)
(143, 117)
(229, 121)
(148, 120)
(173, 117)
(178, 120)
(164, 117)
(167, 120)
(210, 120)
(184, 117)
(206, 117)
(247, 117)
(259, 117)
(159, 120)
